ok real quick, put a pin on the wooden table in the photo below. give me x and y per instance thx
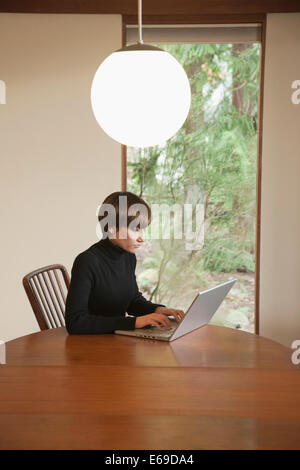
(216, 388)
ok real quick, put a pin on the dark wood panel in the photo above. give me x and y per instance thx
(197, 18)
(153, 7)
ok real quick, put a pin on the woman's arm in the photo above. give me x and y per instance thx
(139, 305)
(77, 316)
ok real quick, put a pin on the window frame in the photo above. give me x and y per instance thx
(218, 19)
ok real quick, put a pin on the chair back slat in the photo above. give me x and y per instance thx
(40, 299)
(61, 301)
(45, 300)
(55, 302)
(47, 294)
(67, 281)
(51, 303)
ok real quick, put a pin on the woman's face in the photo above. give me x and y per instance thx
(128, 239)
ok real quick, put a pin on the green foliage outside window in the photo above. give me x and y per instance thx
(213, 160)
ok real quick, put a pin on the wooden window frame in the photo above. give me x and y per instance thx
(218, 19)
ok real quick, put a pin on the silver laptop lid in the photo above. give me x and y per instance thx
(202, 308)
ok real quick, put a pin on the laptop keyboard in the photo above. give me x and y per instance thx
(154, 330)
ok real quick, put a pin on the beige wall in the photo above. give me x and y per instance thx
(280, 235)
(57, 164)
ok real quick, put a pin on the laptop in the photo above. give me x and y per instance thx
(200, 312)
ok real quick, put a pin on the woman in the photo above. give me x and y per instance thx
(103, 284)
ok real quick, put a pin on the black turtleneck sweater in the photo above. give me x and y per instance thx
(103, 287)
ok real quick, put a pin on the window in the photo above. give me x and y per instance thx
(210, 166)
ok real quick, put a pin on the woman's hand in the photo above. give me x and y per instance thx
(156, 319)
(178, 314)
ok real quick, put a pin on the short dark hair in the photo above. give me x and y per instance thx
(122, 218)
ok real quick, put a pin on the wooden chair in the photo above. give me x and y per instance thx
(46, 289)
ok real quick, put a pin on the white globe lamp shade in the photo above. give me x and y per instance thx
(140, 96)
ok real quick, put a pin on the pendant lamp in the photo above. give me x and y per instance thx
(140, 94)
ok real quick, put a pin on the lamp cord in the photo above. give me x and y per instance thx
(140, 21)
